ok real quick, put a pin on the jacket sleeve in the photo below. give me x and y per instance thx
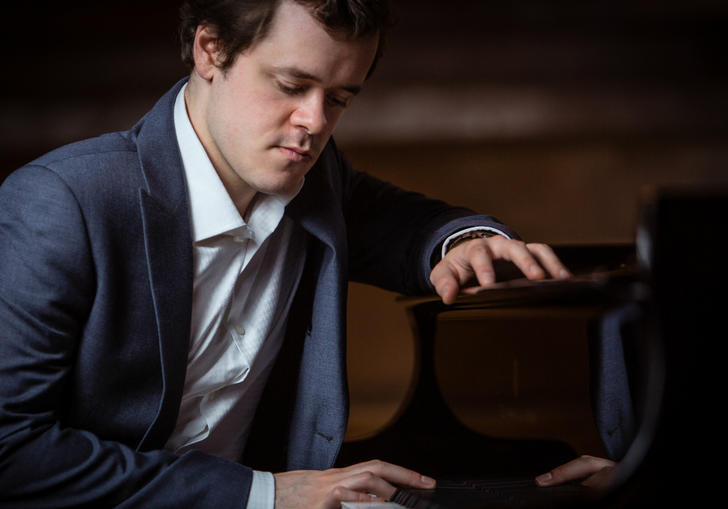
(394, 235)
(47, 287)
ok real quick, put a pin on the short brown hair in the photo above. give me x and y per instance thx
(242, 23)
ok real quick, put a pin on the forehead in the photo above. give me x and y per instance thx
(295, 39)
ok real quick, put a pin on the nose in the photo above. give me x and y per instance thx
(310, 114)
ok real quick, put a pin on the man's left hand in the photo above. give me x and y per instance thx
(472, 261)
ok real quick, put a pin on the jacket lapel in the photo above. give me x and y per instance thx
(320, 409)
(168, 248)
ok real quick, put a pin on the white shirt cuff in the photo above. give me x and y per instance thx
(468, 230)
(262, 491)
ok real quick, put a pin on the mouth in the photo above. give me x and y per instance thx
(296, 154)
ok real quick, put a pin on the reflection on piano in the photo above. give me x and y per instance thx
(675, 278)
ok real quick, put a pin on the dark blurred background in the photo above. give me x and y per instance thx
(555, 116)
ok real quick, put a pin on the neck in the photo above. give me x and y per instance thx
(240, 192)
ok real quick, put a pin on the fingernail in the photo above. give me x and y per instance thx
(544, 478)
(429, 481)
(564, 273)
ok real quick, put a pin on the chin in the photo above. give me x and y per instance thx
(281, 188)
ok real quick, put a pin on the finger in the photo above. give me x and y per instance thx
(342, 494)
(478, 257)
(579, 468)
(516, 251)
(548, 259)
(393, 474)
(445, 281)
(368, 482)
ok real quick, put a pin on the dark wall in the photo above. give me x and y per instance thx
(76, 69)
(543, 107)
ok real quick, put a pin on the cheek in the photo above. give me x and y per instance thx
(263, 107)
(249, 116)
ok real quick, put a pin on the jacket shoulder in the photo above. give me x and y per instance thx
(95, 163)
(109, 146)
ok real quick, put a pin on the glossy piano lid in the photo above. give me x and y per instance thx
(598, 287)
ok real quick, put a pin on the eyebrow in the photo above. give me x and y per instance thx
(295, 72)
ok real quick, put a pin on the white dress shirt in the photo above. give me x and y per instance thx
(245, 276)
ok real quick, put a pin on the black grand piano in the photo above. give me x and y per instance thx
(666, 293)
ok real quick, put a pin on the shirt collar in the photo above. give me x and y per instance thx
(212, 211)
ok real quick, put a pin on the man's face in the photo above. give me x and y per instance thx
(272, 112)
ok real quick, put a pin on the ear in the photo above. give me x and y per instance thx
(205, 51)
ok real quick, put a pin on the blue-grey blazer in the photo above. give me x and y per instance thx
(95, 298)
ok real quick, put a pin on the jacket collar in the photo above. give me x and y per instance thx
(159, 155)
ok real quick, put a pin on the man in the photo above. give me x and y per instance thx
(172, 297)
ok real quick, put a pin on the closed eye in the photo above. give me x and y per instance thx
(294, 90)
(336, 102)
(290, 90)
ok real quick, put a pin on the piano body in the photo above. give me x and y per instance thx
(674, 276)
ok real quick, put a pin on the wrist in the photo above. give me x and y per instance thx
(477, 234)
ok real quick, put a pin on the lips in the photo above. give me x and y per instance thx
(295, 153)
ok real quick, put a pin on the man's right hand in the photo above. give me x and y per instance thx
(362, 482)
(591, 471)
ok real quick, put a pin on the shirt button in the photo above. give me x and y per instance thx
(240, 330)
